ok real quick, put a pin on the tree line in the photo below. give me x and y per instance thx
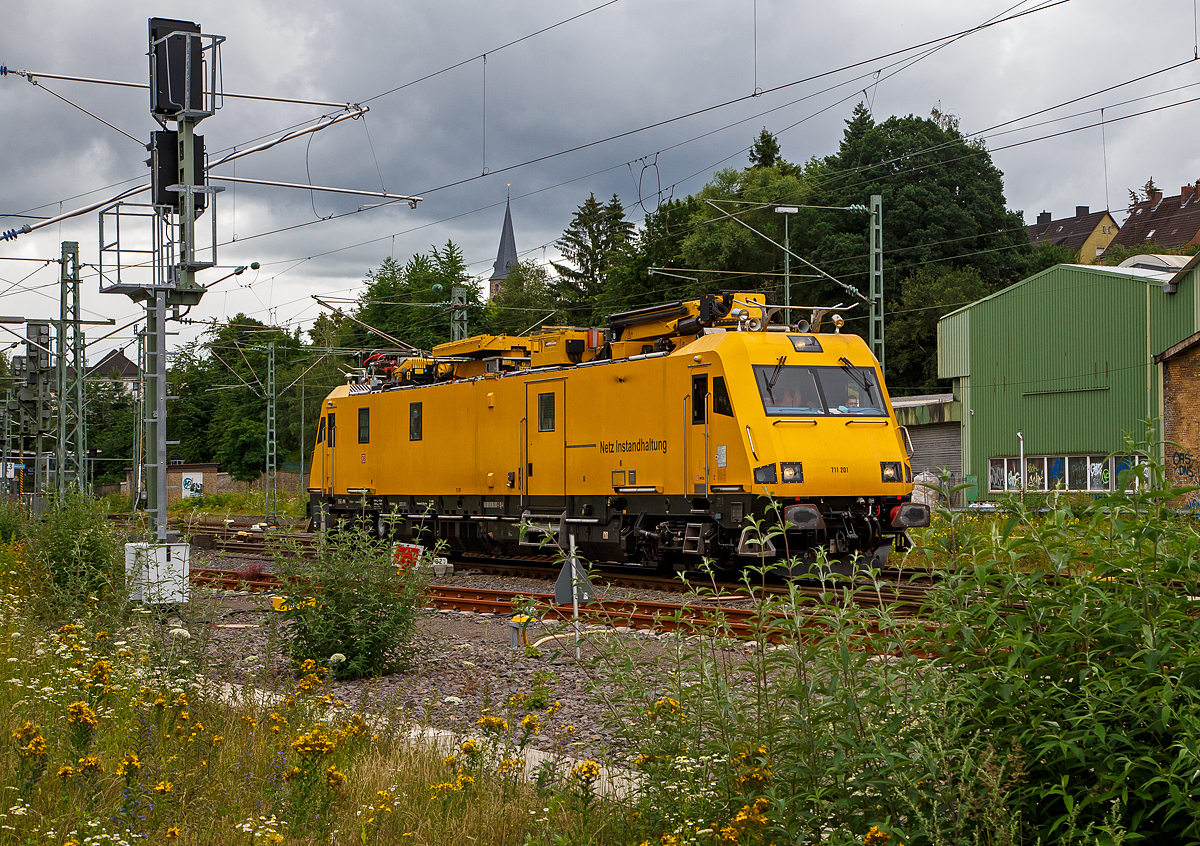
(949, 239)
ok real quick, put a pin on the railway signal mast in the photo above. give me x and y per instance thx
(184, 89)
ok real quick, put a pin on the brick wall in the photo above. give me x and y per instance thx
(1181, 422)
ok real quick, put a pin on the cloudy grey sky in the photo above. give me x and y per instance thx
(618, 67)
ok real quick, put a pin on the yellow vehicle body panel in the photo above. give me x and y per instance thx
(592, 429)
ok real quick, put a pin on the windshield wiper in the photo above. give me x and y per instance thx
(855, 374)
(770, 383)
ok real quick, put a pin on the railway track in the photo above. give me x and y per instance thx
(700, 614)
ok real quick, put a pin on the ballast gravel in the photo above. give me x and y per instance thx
(463, 666)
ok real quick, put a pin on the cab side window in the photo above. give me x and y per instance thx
(364, 425)
(720, 397)
(545, 412)
(415, 423)
(321, 431)
(699, 399)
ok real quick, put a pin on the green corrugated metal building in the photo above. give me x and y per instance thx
(1066, 357)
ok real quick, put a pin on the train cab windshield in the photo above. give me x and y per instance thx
(789, 390)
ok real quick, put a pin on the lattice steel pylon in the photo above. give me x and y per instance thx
(458, 313)
(272, 480)
(72, 431)
(876, 330)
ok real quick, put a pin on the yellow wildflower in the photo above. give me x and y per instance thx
(29, 740)
(876, 837)
(163, 788)
(90, 765)
(493, 724)
(101, 672)
(469, 747)
(587, 771)
(313, 744)
(172, 832)
(78, 713)
(667, 706)
(129, 766)
(66, 772)
(353, 728)
(531, 723)
(334, 778)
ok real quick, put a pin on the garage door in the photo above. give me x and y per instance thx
(935, 446)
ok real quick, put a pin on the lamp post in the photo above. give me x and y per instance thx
(1021, 459)
(787, 261)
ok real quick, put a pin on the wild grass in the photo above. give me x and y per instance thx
(120, 736)
(222, 505)
(1049, 693)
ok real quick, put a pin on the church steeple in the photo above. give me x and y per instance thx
(506, 256)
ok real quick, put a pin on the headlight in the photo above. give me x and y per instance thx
(891, 471)
(765, 475)
(792, 471)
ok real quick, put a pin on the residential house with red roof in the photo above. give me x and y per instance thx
(1087, 234)
(1165, 221)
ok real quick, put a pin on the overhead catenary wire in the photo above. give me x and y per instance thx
(32, 76)
(355, 110)
(407, 231)
(88, 113)
(515, 41)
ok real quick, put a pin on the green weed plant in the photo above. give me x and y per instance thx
(349, 607)
(76, 550)
(1052, 702)
(122, 736)
(223, 505)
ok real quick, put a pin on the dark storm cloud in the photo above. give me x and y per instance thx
(628, 65)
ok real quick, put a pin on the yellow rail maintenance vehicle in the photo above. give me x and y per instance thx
(690, 430)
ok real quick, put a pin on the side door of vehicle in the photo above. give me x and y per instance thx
(546, 438)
